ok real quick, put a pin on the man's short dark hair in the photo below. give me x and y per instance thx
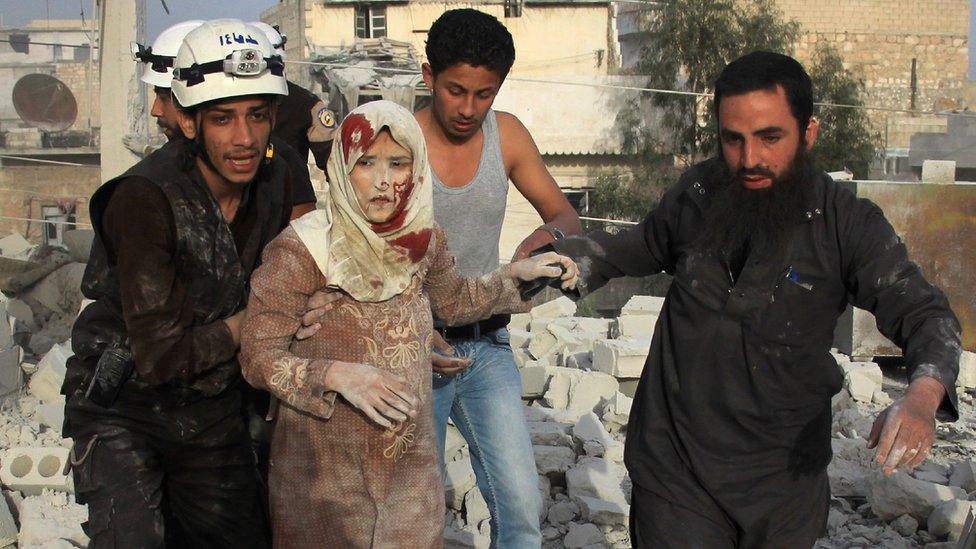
(763, 70)
(472, 37)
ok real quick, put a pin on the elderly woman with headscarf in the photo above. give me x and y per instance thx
(353, 456)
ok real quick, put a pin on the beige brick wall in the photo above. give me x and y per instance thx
(878, 40)
(25, 190)
(75, 76)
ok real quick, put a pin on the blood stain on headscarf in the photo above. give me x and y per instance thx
(357, 133)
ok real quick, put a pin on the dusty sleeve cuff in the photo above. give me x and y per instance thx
(949, 407)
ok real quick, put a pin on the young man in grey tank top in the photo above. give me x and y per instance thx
(474, 152)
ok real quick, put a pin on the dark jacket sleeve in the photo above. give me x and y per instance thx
(302, 191)
(139, 228)
(645, 249)
(909, 310)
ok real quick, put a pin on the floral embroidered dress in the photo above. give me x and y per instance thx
(336, 478)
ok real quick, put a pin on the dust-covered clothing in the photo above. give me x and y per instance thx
(337, 479)
(732, 413)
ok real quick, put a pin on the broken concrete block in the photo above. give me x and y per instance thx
(518, 339)
(896, 494)
(52, 520)
(597, 511)
(79, 243)
(14, 501)
(597, 478)
(522, 357)
(11, 374)
(590, 391)
(534, 379)
(545, 495)
(967, 371)
(581, 360)
(635, 326)
(948, 518)
(643, 305)
(590, 435)
(8, 526)
(455, 538)
(475, 508)
(931, 476)
(542, 344)
(520, 321)
(551, 460)
(15, 246)
(550, 433)
(964, 475)
(583, 535)
(563, 512)
(30, 470)
(46, 383)
(848, 470)
(21, 311)
(562, 306)
(557, 388)
(6, 327)
(453, 441)
(621, 358)
(458, 479)
(51, 414)
(905, 525)
(862, 380)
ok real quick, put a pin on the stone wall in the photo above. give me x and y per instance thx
(878, 40)
(75, 76)
(25, 190)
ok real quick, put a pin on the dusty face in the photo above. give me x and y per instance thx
(462, 95)
(381, 178)
(760, 136)
(164, 111)
(235, 135)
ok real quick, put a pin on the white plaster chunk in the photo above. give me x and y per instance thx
(621, 358)
(46, 383)
(561, 306)
(583, 535)
(550, 433)
(458, 479)
(598, 511)
(475, 508)
(643, 305)
(948, 518)
(896, 494)
(550, 460)
(52, 520)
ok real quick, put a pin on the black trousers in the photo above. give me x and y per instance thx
(181, 477)
(794, 521)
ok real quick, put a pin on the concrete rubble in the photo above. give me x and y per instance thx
(578, 376)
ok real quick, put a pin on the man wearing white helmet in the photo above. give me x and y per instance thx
(158, 73)
(303, 120)
(162, 454)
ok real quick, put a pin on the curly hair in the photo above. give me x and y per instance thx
(472, 37)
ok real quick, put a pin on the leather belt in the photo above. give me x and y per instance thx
(474, 330)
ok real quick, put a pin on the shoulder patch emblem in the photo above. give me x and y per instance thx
(327, 118)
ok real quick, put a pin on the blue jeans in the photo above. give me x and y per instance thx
(485, 402)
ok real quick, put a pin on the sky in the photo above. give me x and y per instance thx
(19, 12)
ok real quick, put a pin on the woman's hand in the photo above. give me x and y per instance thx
(384, 397)
(547, 264)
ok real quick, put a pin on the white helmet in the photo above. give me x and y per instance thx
(277, 39)
(159, 57)
(226, 58)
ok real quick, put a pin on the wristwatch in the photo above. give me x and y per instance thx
(556, 233)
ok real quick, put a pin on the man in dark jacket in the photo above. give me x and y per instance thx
(162, 454)
(729, 435)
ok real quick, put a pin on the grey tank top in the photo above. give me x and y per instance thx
(472, 215)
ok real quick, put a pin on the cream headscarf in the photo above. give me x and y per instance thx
(371, 261)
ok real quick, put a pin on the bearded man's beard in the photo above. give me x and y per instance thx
(740, 219)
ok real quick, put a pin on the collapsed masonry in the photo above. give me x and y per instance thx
(578, 374)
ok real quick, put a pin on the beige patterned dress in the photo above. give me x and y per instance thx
(336, 478)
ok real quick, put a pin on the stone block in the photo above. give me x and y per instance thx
(897, 494)
(598, 478)
(46, 383)
(609, 513)
(967, 371)
(552, 460)
(32, 469)
(15, 246)
(643, 305)
(905, 525)
(543, 343)
(550, 433)
(591, 435)
(581, 360)
(79, 243)
(8, 526)
(635, 326)
(6, 327)
(563, 512)
(11, 374)
(590, 390)
(862, 380)
(522, 357)
(51, 414)
(475, 508)
(964, 475)
(948, 518)
(561, 306)
(455, 538)
(458, 479)
(52, 520)
(583, 535)
(534, 380)
(453, 441)
(520, 321)
(621, 358)
(519, 339)
(540, 324)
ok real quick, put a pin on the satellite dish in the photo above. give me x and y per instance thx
(45, 102)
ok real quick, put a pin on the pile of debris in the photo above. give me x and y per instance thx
(578, 376)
